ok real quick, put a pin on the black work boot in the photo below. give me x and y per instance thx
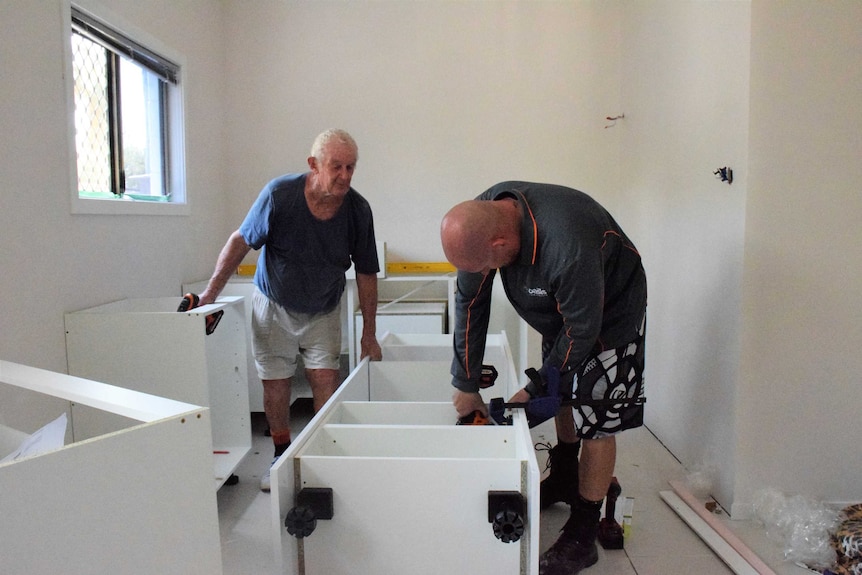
(575, 549)
(561, 484)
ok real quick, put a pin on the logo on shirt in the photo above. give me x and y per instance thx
(537, 292)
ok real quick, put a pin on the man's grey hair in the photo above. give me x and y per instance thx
(323, 139)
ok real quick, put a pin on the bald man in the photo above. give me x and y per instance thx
(572, 274)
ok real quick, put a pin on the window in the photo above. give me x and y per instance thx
(127, 118)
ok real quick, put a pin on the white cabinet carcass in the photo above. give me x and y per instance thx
(383, 481)
(146, 345)
(127, 490)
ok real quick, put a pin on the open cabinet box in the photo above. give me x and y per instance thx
(409, 490)
(130, 491)
(146, 345)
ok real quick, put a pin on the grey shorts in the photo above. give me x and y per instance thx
(279, 336)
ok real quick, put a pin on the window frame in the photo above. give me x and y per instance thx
(173, 107)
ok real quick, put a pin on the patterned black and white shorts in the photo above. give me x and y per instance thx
(609, 390)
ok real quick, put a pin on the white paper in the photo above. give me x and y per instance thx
(49, 438)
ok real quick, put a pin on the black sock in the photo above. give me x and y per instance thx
(279, 449)
(591, 506)
(569, 449)
(583, 523)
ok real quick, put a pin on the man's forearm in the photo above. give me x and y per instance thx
(366, 287)
(230, 257)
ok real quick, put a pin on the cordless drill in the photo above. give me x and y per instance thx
(191, 301)
(486, 380)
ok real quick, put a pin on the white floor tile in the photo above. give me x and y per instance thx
(679, 565)
(245, 514)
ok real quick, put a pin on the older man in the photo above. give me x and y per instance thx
(308, 226)
(572, 274)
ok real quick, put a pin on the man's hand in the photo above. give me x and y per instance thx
(466, 403)
(541, 395)
(521, 396)
(370, 348)
(206, 298)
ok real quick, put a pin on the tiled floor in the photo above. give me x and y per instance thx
(660, 543)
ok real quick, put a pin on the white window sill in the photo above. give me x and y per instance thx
(128, 207)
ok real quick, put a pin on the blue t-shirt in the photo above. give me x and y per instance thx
(302, 260)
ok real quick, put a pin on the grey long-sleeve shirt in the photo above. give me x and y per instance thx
(578, 281)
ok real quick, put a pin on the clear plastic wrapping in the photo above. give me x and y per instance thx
(802, 525)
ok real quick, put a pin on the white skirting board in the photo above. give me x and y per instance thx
(728, 547)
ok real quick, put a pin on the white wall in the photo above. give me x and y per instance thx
(752, 351)
(685, 96)
(753, 287)
(800, 395)
(52, 261)
(444, 98)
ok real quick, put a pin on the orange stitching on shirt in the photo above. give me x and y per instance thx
(625, 244)
(467, 331)
(568, 336)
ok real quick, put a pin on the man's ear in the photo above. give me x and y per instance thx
(312, 163)
(499, 242)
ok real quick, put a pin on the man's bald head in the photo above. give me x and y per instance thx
(466, 234)
(480, 235)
